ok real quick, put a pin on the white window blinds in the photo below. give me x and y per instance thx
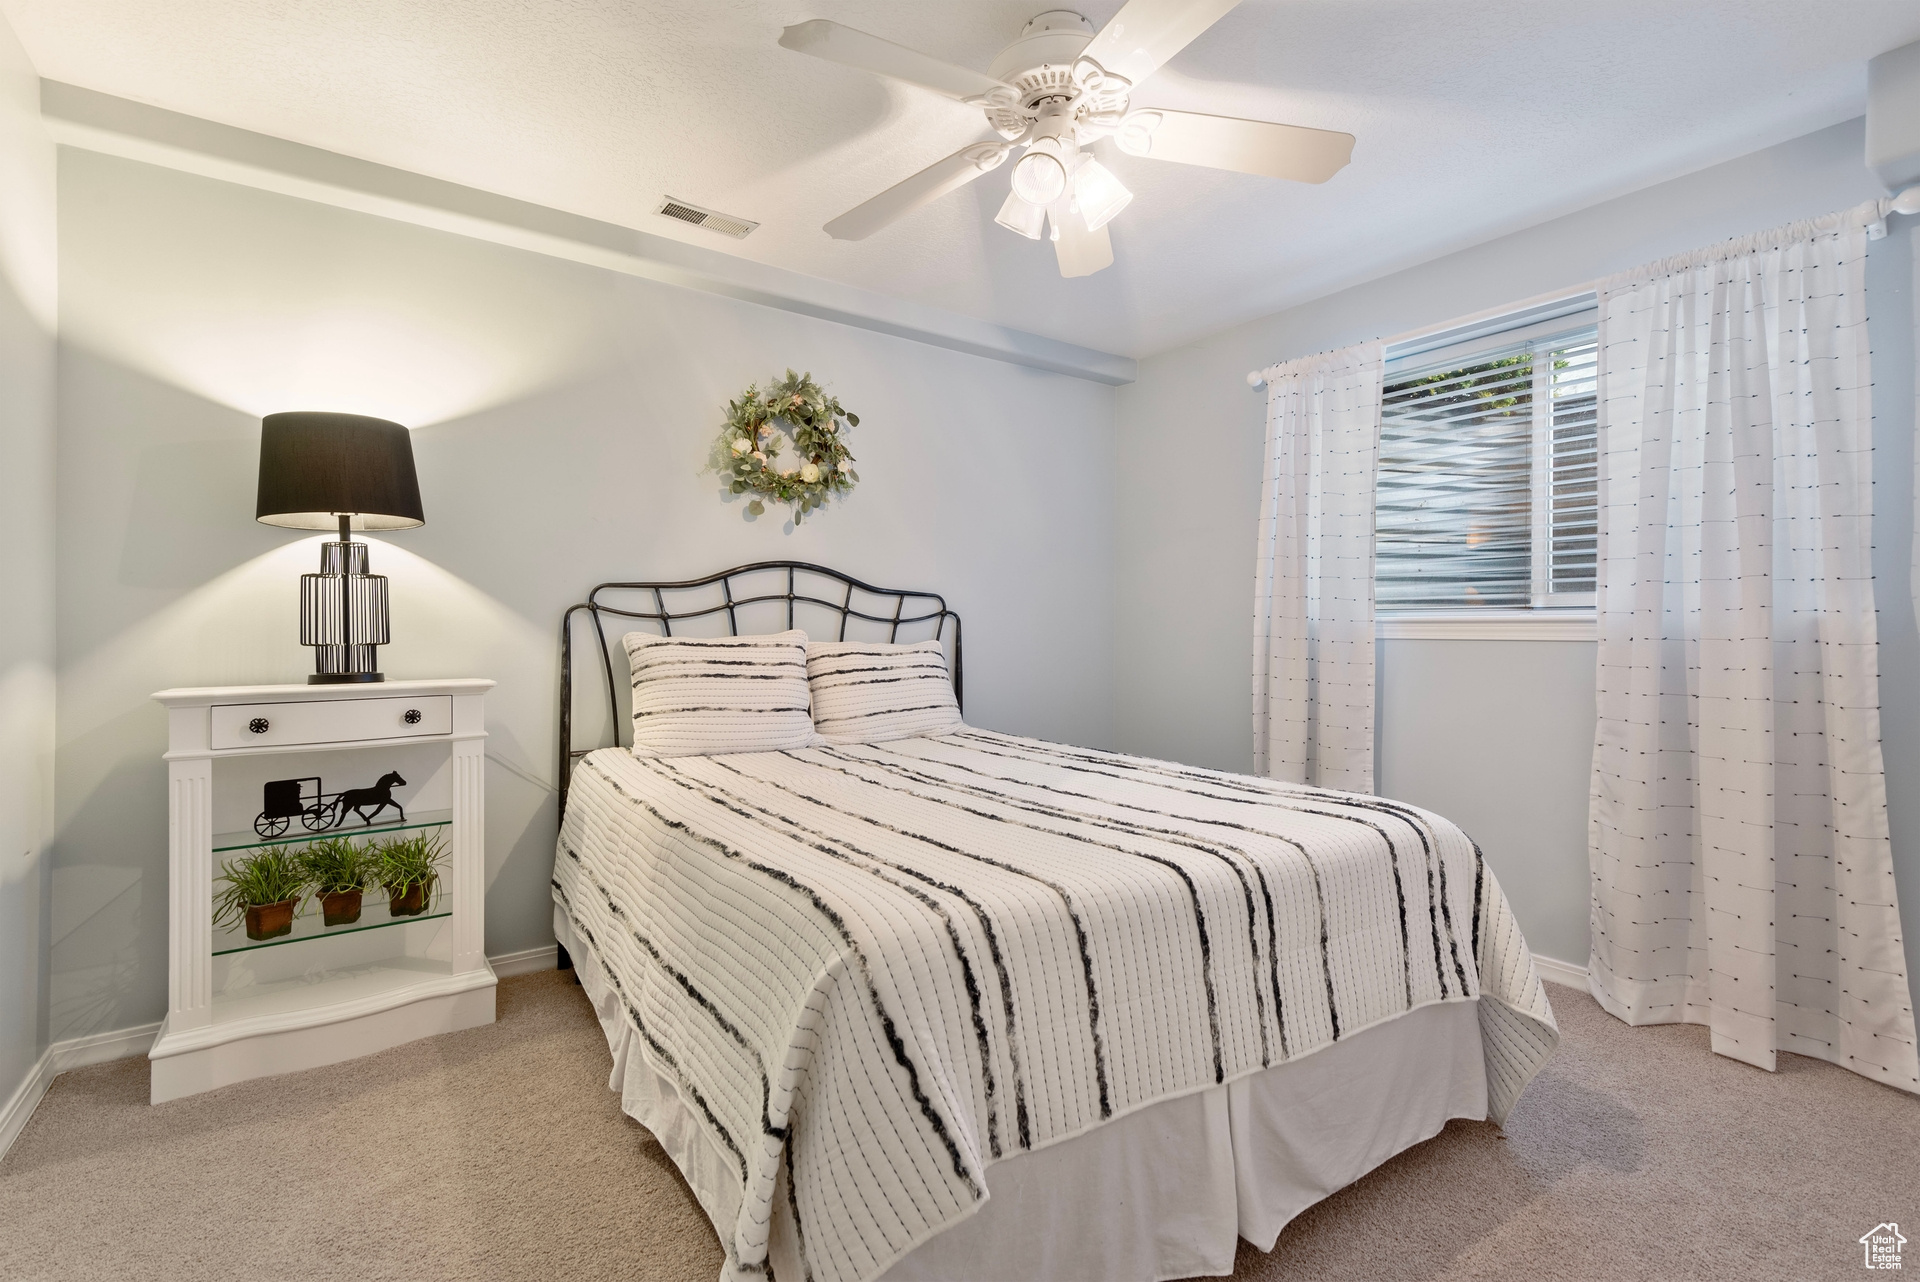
(1486, 491)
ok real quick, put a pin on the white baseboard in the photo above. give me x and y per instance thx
(1555, 971)
(525, 961)
(78, 1052)
(74, 1052)
(99, 1048)
(26, 1098)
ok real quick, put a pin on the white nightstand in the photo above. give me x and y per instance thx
(241, 1008)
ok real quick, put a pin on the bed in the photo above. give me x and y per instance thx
(976, 1006)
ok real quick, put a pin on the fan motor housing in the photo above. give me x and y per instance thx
(1039, 66)
(1049, 43)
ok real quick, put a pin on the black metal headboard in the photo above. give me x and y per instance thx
(765, 590)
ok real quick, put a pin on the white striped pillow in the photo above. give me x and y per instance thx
(865, 692)
(702, 696)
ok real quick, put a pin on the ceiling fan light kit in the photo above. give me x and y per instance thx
(1098, 193)
(1018, 215)
(1040, 178)
(1054, 91)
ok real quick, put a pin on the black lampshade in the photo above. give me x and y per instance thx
(314, 467)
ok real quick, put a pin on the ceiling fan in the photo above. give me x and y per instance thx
(1055, 90)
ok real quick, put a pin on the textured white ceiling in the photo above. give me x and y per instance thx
(1474, 117)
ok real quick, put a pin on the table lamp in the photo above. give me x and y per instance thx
(346, 471)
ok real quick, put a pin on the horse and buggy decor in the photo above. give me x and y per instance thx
(285, 800)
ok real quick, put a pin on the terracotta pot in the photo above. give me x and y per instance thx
(411, 904)
(270, 921)
(340, 907)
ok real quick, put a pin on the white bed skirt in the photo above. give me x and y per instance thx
(1164, 1192)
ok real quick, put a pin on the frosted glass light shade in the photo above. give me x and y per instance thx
(1018, 215)
(1039, 178)
(1098, 193)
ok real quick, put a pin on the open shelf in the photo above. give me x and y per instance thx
(296, 835)
(311, 924)
(339, 984)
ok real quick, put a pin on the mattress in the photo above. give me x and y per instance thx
(860, 977)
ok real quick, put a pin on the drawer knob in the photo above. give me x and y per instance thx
(412, 717)
(259, 725)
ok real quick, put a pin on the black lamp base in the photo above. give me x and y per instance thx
(343, 614)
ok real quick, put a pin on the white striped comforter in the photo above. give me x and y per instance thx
(873, 970)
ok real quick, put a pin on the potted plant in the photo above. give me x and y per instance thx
(338, 870)
(263, 889)
(408, 868)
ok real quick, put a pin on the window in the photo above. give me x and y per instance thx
(1487, 485)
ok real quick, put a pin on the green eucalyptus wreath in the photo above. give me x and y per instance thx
(748, 451)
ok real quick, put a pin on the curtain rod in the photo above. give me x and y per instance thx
(1906, 202)
(1258, 377)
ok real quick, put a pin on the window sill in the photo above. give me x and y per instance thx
(1489, 625)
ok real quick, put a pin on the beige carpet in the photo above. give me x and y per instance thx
(499, 1153)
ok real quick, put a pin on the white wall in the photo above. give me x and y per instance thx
(27, 310)
(1496, 735)
(562, 416)
(1099, 543)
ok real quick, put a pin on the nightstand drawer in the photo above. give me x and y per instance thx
(266, 725)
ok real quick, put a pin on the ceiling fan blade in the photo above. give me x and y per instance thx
(836, 43)
(925, 187)
(1145, 33)
(1245, 146)
(1079, 252)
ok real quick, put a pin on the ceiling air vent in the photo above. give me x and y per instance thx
(725, 224)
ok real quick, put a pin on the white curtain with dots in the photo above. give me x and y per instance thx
(1313, 582)
(1742, 875)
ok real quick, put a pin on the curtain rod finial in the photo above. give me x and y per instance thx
(1254, 379)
